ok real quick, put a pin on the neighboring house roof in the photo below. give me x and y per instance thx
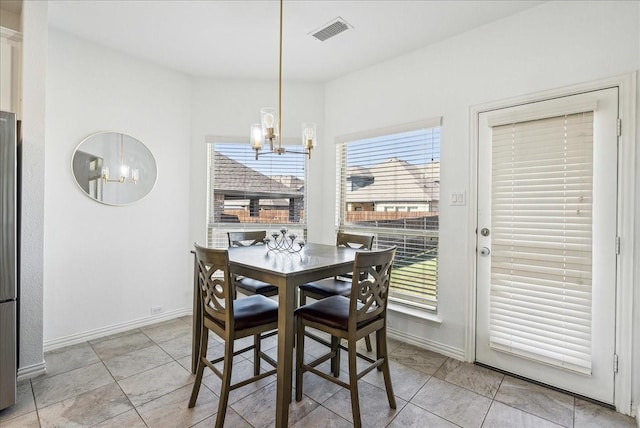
(359, 171)
(395, 180)
(290, 181)
(238, 181)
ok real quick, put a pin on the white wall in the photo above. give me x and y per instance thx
(105, 265)
(227, 108)
(34, 66)
(550, 46)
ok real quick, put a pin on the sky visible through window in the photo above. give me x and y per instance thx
(404, 146)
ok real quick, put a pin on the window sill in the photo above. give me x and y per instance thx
(414, 312)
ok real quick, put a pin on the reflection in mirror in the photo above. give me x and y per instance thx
(114, 168)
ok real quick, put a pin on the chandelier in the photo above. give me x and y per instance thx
(125, 172)
(269, 130)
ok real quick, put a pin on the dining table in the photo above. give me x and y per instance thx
(287, 271)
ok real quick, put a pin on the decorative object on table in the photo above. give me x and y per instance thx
(284, 242)
(114, 168)
(270, 127)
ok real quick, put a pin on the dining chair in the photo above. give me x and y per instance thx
(250, 286)
(339, 285)
(352, 318)
(230, 319)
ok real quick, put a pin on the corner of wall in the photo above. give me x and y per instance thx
(34, 70)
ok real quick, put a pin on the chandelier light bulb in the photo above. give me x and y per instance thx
(268, 120)
(256, 136)
(308, 132)
(309, 136)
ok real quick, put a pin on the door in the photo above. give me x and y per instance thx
(546, 259)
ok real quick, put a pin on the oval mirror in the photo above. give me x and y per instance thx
(114, 168)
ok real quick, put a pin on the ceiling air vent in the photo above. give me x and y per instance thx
(331, 29)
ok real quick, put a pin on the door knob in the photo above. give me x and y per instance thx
(484, 251)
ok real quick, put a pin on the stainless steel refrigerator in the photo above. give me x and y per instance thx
(8, 258)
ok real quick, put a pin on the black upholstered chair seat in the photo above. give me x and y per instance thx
(252, 311)
(253, 286)
(332, 311)
(327, 287)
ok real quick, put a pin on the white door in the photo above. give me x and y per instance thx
(546, 262)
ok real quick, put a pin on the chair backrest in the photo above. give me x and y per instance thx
(351, 240)
(216, 293)
(246, 239)
(370, 288)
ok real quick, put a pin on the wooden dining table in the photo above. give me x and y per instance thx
(287, 271)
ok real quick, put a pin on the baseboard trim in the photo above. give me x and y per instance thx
(31, 371)
(73, 339)
(421, 342)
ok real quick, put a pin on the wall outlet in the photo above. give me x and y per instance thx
(156, 309)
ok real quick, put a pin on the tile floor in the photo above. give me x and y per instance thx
(141, 378)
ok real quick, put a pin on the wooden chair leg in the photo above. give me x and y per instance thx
(353, 384)
(202, 353)
(226, 382)
(378, 349)
(367, 341)
(381, 339)
(303, 298)
(335, 361)
(257, 342)
(299, 358)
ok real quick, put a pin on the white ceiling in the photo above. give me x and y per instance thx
(239, 39)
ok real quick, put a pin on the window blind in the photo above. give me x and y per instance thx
(389, 186)
(245, 193)
(540, 295)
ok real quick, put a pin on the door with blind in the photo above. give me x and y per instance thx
(546, 259)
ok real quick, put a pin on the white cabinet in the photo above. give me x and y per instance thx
(10, 70)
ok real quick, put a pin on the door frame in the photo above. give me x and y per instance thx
(626, 222)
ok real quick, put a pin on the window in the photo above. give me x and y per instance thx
(245, 193)
(394, 180)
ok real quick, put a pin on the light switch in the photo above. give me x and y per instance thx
(457, 198)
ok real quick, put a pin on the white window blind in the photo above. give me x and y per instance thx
(389, 186)
(249, 194)
(540, 304)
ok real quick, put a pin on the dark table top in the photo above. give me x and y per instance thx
(312, 258)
